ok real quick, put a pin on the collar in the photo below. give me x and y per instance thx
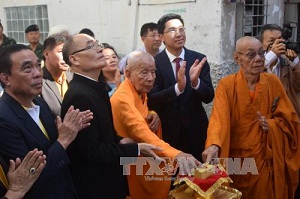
(61, 79)
(172, 57)
(86, 77)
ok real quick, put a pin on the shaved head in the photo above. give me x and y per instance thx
(137, 58)
(244, 42)
(140, 71)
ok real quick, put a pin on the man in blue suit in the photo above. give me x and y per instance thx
(182, 83)
(26, 123)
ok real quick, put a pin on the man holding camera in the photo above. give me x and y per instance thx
(283, 62)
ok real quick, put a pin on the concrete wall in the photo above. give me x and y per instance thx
(210, 25)
(118, 21)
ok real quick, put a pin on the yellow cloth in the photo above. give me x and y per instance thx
(43, 129)
(234, 127)
(40, 124)
(3, 177)
(62, 84)
(129, 113)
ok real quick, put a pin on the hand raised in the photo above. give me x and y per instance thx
(22, 175)
(278, 47)
(195, 71)
(181, 78)
(74, 121)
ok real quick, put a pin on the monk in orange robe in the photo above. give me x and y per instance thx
(252, 117)
(131, 120)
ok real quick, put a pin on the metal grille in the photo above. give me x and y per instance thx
(254, 16)
(19, 18)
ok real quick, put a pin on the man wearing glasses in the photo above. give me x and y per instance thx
(253, 123)
(95, 154)
(182, 84)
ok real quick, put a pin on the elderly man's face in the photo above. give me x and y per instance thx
(143, 76)
(250, 57)
(88, 54)
(25, 80)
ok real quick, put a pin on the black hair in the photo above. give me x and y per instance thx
(268, 27)
(106, 45)
(5, 58)
(161, 24)
(87, 31)
(54, 40)
(147, 27)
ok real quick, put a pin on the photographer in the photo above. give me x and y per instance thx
(284, 63)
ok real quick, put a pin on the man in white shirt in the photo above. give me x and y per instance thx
(152, 42)
(284, 63)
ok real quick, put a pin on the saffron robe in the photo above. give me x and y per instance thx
(129, 113)
(234, 126)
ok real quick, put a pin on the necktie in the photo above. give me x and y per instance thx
(177, 61)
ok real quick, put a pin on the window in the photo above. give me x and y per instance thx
(19, 18)
(254, 16)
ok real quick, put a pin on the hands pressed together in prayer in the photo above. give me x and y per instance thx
(194, 72)
(74, 121)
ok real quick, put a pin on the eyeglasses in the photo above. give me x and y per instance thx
(252, 54)
(95, 46)
(173, 31)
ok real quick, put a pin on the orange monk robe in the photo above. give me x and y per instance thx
(234, 126)
(129, 113)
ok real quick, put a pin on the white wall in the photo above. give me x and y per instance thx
(118, 22)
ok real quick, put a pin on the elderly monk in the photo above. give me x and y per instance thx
(132, 119)
(252, 117)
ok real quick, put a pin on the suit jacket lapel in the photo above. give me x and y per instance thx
(189, 62)
(166, 67)
(49, 81)
(48, 122)
(30, 125)
(52, 85)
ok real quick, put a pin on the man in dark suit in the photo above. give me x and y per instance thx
(178, 92)
(95, 153)
(26, 123)
(56, 76)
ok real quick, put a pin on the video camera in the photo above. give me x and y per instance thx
(287, 33)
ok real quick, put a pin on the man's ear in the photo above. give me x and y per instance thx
(143, 38)
(4, 79)
(236, 57)
(127, 73)
(73, 60)
(46, 53)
